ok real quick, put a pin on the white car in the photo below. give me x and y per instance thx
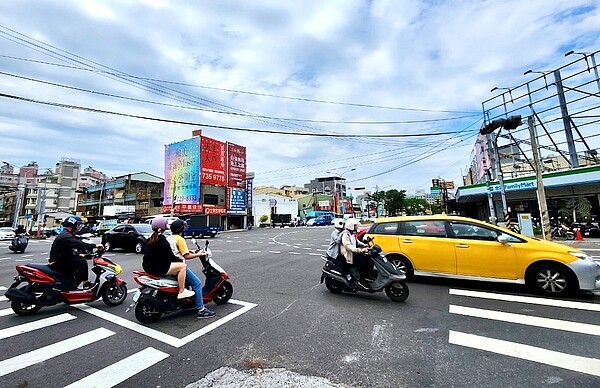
(6, 233)
(310, 222)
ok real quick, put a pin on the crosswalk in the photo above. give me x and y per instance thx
(108, 376)
(524, 351)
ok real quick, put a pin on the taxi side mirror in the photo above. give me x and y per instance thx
(502, 239)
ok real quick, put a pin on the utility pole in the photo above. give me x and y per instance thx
(540, 182)
(566, 119)
(486, 173)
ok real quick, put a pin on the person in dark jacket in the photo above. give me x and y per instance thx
(159, 259)
(63, 253)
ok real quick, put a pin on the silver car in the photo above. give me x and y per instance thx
(6, 233)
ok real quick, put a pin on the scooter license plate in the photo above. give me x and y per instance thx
(136, 296)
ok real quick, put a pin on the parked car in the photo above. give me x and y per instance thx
(130, 237)
(6, 233)
(459, 247)
(311, 222)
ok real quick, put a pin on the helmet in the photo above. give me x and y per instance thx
(339, 223)
(351, 224)
(178, 226)
(159, 223)
(71, 221)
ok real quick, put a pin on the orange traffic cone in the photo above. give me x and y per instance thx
(578, 235)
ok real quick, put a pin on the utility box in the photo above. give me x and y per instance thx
(525, 224)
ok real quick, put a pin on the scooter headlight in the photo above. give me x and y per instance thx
(117, 268)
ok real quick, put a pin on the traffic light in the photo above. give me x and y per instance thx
(510, 123)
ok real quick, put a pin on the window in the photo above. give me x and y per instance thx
(119, 229)
(211, 199)
(426, 228)
(385, 228)
(473, 232)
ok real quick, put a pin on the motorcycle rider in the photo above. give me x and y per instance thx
(333, 252)
(180, 249)
(63, 253)
(353, 250)
(159, 259)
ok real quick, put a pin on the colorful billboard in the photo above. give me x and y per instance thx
(236, 163)
(214, 162)
(237, 201)
(182, 172)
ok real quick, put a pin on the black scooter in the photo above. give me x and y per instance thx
(19, 243)
(384, 276)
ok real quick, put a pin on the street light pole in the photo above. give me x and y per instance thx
(338, 194)
(592, 57)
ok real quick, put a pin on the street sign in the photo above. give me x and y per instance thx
(272, 202)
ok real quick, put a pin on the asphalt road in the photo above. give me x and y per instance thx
(447, 334)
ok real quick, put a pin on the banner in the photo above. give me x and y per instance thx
(214, 162)
(215, 210)
(182, 208)
(236, 163)
(249, 184)
(182, 172)
(237, 201)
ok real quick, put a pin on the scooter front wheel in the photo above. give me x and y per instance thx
(146, 314)
(224, 293)
(114, 294)
(397, 291)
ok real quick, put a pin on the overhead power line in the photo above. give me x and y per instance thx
(94, 110)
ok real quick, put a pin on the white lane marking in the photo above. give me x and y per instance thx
(2, 288)
(27, 255)
(24, 260)
(216, 250)
(314, 254)
(5, 312)
(39, 324)
(160, 336)
(294, 253)
(590, 249)
(548, 323)
(527, 299)
(586, 365)
(307, 249)
(326, 246)
(235, 250)
(254, 251)
(121, 370)
(3, 298)
(47, 352)
(4, 258)
(274, 252)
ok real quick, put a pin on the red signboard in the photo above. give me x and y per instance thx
(213, 162)
(183, 208)
(236, 163)
(216, 210)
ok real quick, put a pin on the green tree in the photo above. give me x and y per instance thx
(394, 201)
(375, 199)
(415, 206)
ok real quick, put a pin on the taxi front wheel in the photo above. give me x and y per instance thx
(550, 279)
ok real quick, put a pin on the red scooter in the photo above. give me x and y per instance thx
(46, 287)
(158, 295)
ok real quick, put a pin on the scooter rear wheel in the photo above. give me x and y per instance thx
(334, 286)
(146, 314)
(24, 308)
(397, 291)
(224, 293)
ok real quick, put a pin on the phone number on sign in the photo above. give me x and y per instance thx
(213, 177)
(179, 198)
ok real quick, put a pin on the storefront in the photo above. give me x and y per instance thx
(572, 195)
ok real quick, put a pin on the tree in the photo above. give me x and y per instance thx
(416, 206)
(375, 199)
(394, 201)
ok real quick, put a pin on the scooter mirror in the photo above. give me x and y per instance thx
(206, 244)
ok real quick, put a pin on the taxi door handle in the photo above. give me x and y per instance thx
(407, 240)
(462, 246)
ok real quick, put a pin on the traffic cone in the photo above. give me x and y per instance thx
(578, 236)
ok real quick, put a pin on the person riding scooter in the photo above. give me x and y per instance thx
(353, 250)
(63, 253)
(180, 249)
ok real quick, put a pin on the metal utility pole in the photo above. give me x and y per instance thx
(540, 182)
(486, 173)
(20, 190)
(566, 119)
(500, 175)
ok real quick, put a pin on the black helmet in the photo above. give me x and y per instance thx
(177, 226)
(72, 221)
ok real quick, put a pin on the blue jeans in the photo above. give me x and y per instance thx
(196, 284)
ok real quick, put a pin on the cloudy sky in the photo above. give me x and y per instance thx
(307, 86)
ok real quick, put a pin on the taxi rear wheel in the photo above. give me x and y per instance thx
(551, 279)
(403, 264)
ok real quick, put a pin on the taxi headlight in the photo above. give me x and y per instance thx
(582, 256)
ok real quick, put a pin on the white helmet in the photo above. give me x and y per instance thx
(351, 224)
(338, 223)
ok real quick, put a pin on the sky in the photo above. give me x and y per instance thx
(311, 88)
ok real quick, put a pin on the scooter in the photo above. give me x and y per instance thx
(158, 295)
(19, 243)
(384, 276)
(46, 287)
(563, 231)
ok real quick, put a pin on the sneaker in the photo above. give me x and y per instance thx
(87, 286)
(205, 313)
(185, 294)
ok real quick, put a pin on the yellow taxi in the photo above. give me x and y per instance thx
(465, 248)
